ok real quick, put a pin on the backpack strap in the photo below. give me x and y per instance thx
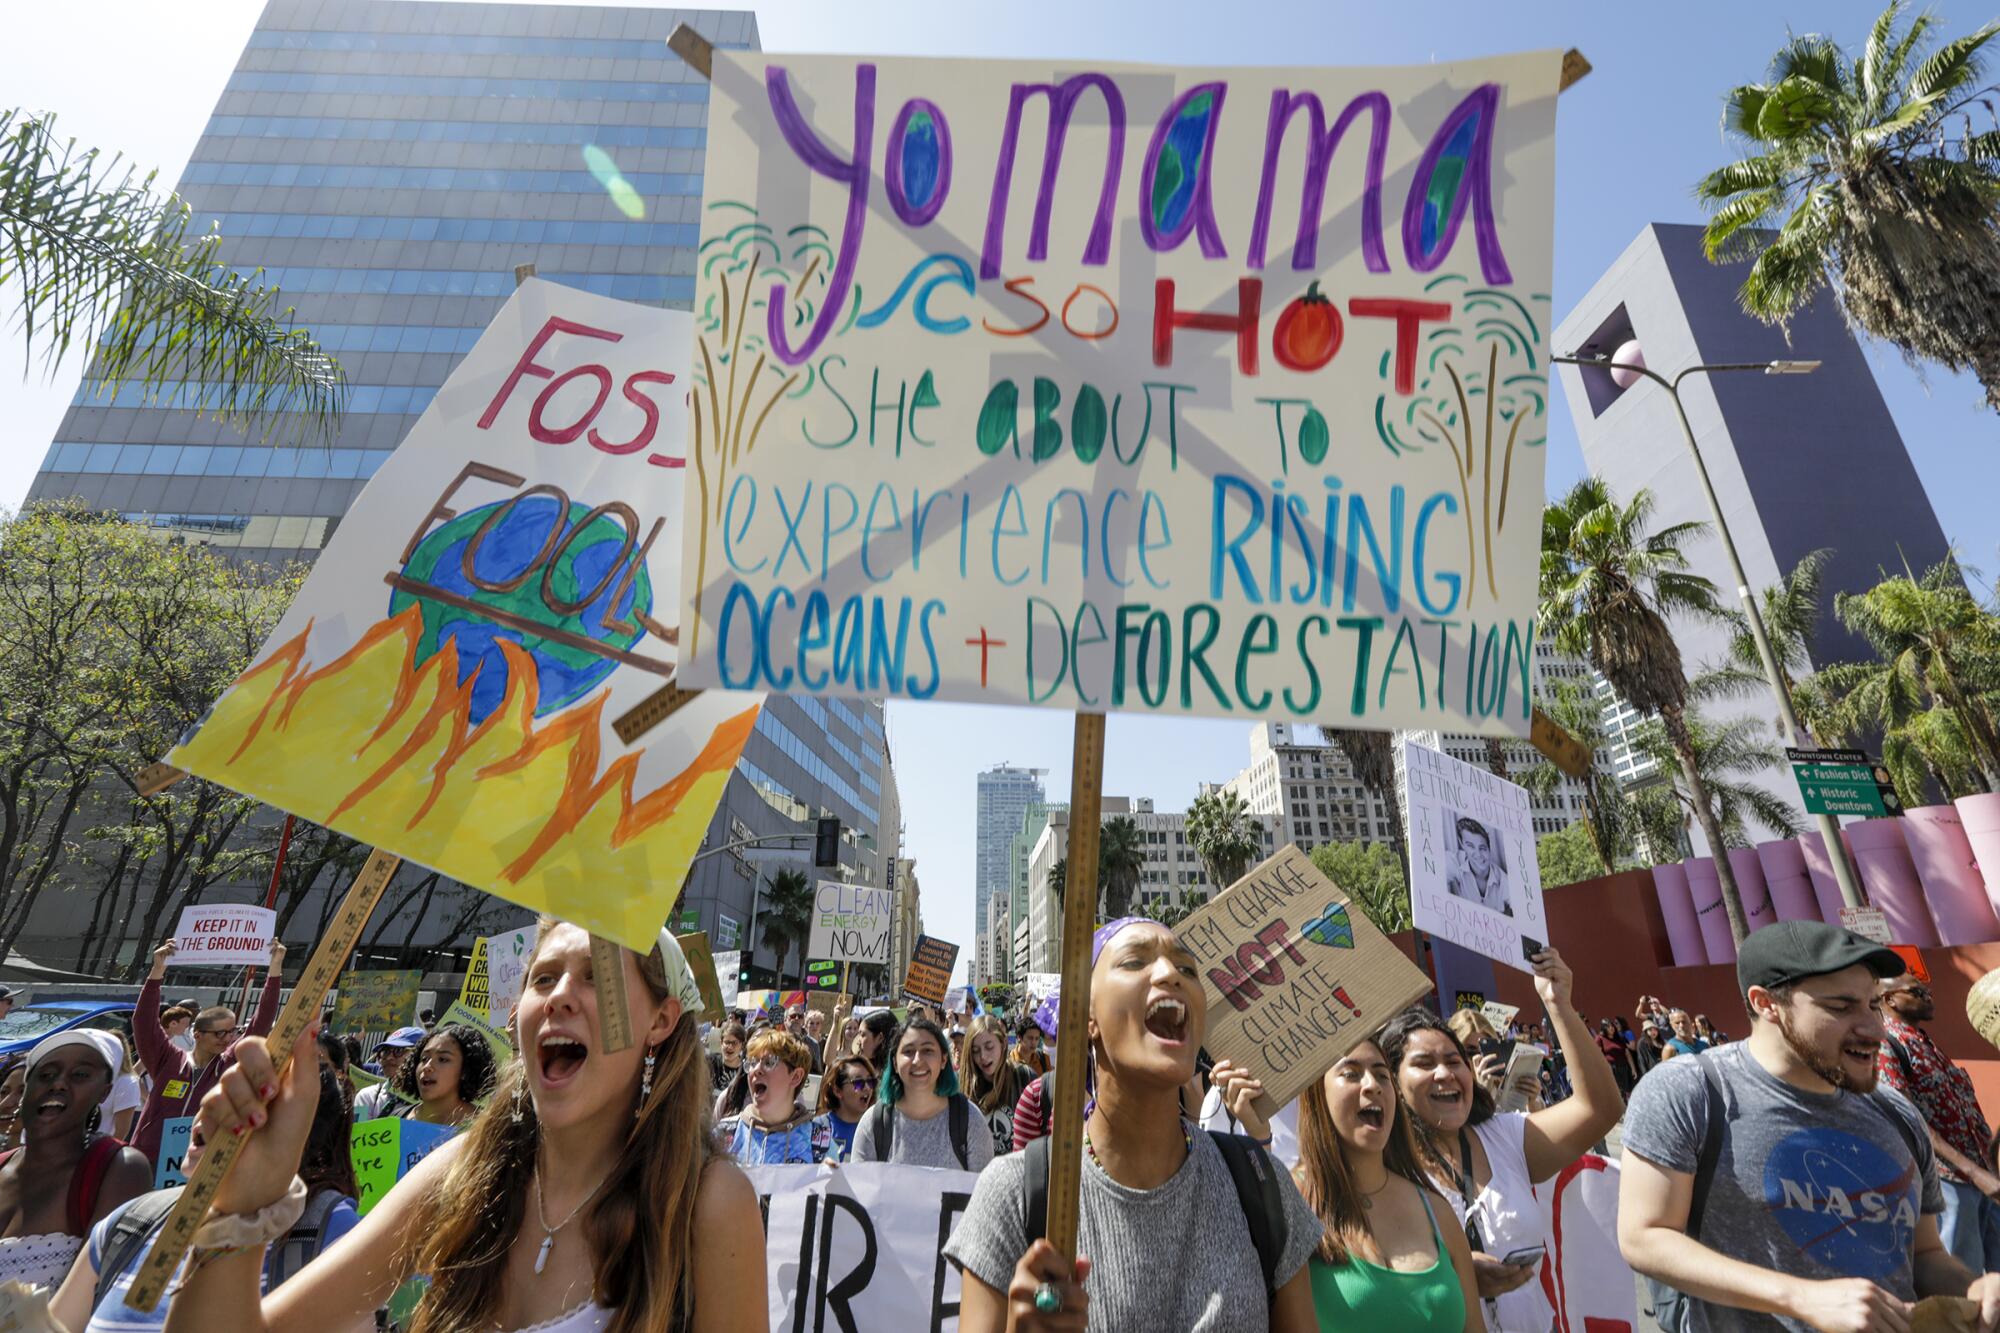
(1902, 1058)
(304, 1242)
(85, 1181)
(1035, 1189)
(884, 1132)
(1711, 1146)
(960, 1111)
(1257, 1191)
(136, 1223)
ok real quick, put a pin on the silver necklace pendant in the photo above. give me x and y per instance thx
(542, 1255)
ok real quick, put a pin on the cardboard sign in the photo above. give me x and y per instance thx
(385, 1149)
(375, 1001)
(472, 992)
(851, 922)
(449, 682)
(1295, 975)
(507, 958)
(1088, 394)
(930, 970)
(702, 963)
(223, 935)
(1867, 922)
(496, 1036)
(1474, 879)
(1501, 1016)
(176, 1132)
(857, 1247)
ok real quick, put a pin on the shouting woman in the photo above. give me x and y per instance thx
(451, 1074)
(586, 1196)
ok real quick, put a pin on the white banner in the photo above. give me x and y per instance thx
(1473, 875)
(223, 935)
(1586, 1278)
(507, 958)
(859, 1247)
(851, 922)
(1116, 387)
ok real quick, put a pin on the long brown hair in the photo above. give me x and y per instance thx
(641, 1227)
(1323, 1175)
(1004, 1089)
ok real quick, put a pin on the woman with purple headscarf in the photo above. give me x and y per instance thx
(1152, 1183)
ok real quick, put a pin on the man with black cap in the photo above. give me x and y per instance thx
(1770, 1180)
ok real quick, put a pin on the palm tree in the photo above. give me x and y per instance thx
(1728, 756)
(1372, 756)
(1932, 690)
(1607, 586)
(1573, 706)
(1878, 187)
(94, 260)
(1791, 618)
(1225, 835)
(786, 922)
(1121, 856)
(1058, 881)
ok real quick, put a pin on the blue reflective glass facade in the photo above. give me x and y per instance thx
(387, 165)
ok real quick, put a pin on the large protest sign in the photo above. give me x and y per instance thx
(1110, 387)
(507, 956)
(383, 1151)
(375, 1001)
(729, 975)
(1473, 875)
(446, 684)
(496, 1035)
(1295, 973)
(223, 935)
(473, 991)
(175, 1134)
(701, 962)
(858, 1247)
(851, 922)
(930, 970)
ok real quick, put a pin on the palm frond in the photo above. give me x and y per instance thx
(1876, 75)
(1745, 210)
(1741, 109)
(99, 263)
(1951, 67)
(1811, 59)
(1797, 106)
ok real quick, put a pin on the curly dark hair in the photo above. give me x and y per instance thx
(476, 1074)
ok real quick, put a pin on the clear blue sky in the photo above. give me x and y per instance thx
(1631, 139)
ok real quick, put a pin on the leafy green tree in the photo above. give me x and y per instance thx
(1371, 875)
(1225, 835)
(1729, 756)
(785, 922)
(1607, 586)
(1791, 617)
(93, 259)
(1121, 857)
(1372, 756)
(1871, 173)
(1568, 856)
(1573, 706)
(1167, 913)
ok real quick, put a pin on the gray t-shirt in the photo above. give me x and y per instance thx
(1817, 1185)
(926, 1142)
(1176, 1257)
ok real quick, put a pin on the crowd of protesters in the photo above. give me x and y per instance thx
(589, 1190)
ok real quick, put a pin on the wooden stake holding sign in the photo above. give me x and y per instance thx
(1086, 804)
(300, 1012)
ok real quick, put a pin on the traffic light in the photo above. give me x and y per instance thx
(826, 842)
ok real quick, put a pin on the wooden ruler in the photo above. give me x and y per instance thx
(1565, 751)
(156, 778)
(614, 1016)
(328, 957)
(1086, 803)
(651, 711)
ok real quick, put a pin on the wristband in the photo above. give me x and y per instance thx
(1264, 1142)
(241, 1231)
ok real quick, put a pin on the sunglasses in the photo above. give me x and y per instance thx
(855, 1082)
(218, 1032)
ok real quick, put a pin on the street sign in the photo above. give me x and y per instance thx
(1843, 782)
(1867, 922)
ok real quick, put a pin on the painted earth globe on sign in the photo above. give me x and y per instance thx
(520, 548)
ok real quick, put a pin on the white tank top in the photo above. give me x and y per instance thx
(585, 1318)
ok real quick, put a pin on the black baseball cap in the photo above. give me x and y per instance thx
(1791, 951)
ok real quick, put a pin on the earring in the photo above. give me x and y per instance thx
(515, 1110)
(645, 1083)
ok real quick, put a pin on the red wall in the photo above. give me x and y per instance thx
(1614, 939)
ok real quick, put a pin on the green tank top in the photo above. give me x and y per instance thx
(1358, 1294)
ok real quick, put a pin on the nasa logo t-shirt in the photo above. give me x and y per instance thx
(1817, 1185)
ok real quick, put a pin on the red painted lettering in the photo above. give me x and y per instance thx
(527, 366)
(1249, 302)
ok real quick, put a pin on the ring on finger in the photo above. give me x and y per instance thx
(1048, 1298)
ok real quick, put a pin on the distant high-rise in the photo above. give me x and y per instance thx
(1004, 795)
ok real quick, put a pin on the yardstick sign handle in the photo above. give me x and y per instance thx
(299, 1012)
(1086, 801)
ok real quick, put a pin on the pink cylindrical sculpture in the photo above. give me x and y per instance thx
(1981, 817)
(1751, 890)
(1819, 868)
(1706, 893)
(1683, 930)
(1784, 863)
(1890, 878)
(1952, 883)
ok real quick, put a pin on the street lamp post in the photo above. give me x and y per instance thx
(1829, 827)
